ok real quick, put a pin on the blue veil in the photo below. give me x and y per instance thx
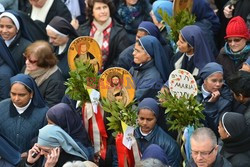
(161, 59)
(26, 80)
(195, 38)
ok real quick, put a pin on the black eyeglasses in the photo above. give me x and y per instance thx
(236, 40)
(203, 154)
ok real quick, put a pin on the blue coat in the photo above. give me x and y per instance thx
(213, 110)
(159, 137)
(147, 80)
(21, 128)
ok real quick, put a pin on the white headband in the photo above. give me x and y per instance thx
(12, 17)
(222, 120)
(54, 30)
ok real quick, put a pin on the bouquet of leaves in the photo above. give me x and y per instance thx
(182, 112)
(119, 112)
(83, 77)
(177, 22)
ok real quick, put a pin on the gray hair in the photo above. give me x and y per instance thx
(80, 164)
(201, 134)
(149, 162)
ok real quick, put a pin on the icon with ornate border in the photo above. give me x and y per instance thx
(117, 84)
(85, 49)
(182, 83)
(180, 5)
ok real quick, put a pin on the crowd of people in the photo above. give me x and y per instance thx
(41, 126)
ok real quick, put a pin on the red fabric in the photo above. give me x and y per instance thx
(125, 156)
(237, 28)
(101, 127)
(103, 133)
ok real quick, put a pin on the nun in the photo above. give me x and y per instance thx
(8, 68)
(236, 139)
(61, 34)
(150, 68)
(148, 132)
(154, 152)
(70, 121)
(145, 28)
(54, 148)
(194, 51)
(214, 94)
(24, 113)
(13, 34)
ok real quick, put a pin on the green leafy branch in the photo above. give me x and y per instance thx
(183, 111)
(119, 112)
(81, 78)
(177, 22)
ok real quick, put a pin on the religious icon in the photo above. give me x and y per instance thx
(180, 5)
(116, 84)
(85, 49)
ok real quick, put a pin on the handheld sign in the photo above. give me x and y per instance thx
(182, 83)
(85, 49)
(180, 5)
(116, 84)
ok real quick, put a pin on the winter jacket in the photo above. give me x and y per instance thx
(159, 137)
(21, 128)
(147, 79)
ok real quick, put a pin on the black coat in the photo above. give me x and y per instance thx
(53, 89)
(117, 41)
(17, 48)
(58, 8)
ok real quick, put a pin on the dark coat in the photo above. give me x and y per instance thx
(53, 89)
(239, 159)
(147, 79)
(213, 110)
(21, 128)
(17, 48)
(178, 61)
(229, 65)
(117, 41)
(5, 74)
(219, 162)
(159, 137)
(63, 60)
(58, 8)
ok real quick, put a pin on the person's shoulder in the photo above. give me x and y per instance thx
(5, 102)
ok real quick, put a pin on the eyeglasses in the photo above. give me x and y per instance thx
(235, 40)
(203, 154)
(31, 61)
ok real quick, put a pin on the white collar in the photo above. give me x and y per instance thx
(61, 48)
(205, 93)
(9, 41)
(21, 110)
(144, 134)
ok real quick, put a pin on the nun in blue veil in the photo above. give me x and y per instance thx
(24, 113)
(150, 68)
(148, 28)
(8, 68)
(194, 51)
(70, 121)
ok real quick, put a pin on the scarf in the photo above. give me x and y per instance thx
(41, 74)
(237, 56)
(101, 33)
(129, 13)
